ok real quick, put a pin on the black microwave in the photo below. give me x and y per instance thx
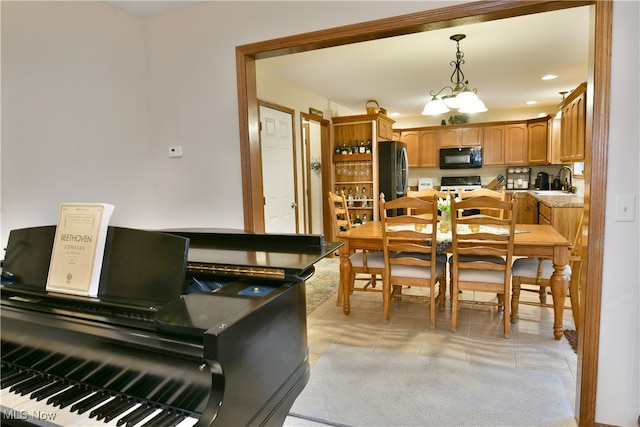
(461, 157)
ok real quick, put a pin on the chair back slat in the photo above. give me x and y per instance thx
(340, 219)
(399, 233)
(496, 234)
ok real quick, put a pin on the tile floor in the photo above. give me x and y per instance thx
(479, 337)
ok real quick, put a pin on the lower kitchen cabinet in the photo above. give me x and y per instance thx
(563, 219)
(527, 208)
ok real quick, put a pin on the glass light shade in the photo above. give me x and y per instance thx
(451, 101)
(434, 107)
(473, 106)
(466, 98)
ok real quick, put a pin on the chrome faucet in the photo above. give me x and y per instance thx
(570, 189)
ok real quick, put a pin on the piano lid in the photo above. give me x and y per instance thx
(237, 252)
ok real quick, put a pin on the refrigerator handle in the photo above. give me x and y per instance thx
(405, 171)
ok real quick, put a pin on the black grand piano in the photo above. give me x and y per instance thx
(190, 327)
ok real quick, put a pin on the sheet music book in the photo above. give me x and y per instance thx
(78, 248)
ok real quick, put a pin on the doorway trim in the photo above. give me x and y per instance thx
(325, 161)
(596, 139)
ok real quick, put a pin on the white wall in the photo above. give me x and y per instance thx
(86, 88)
(75, 118)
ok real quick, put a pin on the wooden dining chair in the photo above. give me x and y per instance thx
(482, 254)
(499, 195)
(366, 266)
(410, 251)
(536, 272)
(426, 194)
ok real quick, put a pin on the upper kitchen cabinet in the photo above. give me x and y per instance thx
(538, 141)
(508, 143)
(458, 136)
(385, 128)
(493, 146)
(422, 147)
(572, 125)
(515, 144)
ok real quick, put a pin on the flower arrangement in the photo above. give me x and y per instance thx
(444, 205)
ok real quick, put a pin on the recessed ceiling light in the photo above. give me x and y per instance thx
(532, 102)
(549, 77)
(394, 114)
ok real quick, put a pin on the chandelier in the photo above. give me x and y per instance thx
(459, 96)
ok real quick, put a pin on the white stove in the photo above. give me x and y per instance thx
(460, 183)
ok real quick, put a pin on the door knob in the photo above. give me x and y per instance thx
(294, 205)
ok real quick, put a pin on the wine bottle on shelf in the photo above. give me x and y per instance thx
(337, 191)
(350, 198)
(361, 148)
(338, 148)
(357, 198)
(358, 220)
(364, 197)
(364, 218)
(344, 148)
(368, 146)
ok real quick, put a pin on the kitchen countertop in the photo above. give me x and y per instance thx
(557, 199)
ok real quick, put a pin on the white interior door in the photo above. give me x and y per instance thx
(276, 140)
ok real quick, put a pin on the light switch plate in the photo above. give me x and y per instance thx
(625, 208)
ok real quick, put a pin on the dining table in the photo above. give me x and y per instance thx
(531, 240)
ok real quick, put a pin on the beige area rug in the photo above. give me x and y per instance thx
(352, 386)
(324, 282)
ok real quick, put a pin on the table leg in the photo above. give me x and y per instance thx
(345, 274)
(559, 285)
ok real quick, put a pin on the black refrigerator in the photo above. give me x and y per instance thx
(393, 170)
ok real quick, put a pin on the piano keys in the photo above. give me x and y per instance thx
(151, 350)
